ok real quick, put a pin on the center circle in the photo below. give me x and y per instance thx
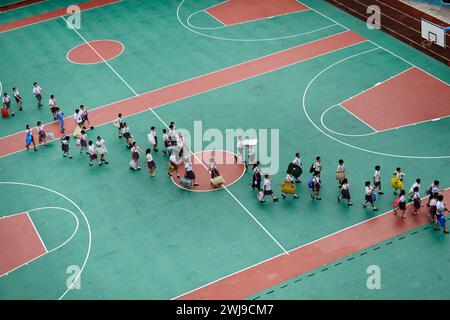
(226, 164)
(95, 51)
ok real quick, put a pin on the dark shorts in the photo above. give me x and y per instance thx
(83, 143)
(38, 96)
(53, 109)
(190, 175)
(92, 156)
(268, 192)
(65, 147)
(345, 194)
(402, 205)
(151, 164)
(377, 184)
(135, 156)
(316, 187)
(417, 204)
(433, 211)
(369, 198)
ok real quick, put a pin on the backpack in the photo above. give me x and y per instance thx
(311, 169)
(310, 183)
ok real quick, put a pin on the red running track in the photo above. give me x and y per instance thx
(239, 11)
(51, 15)
(310, 256)
(20, 4)
(195, 86)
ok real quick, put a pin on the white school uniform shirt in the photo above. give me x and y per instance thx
(173, 158)
(125, 129)
(77, 117)
(440, 207)
(52, 102)
(188, 166)
(403, 198)
(433, 202)
(40, 128)
(135, 149)
(92, 149)
(100, 143)
(29, 131)
(37, 90)
(369, 190)
(166, 137)
(83, 137)
(267, 185)
(297, 161)
(377, 175)
(6, 99)
(416, 195)
(415, 184)
(180, 142)
(345, 186)
(153, 133)
(149, 157)
(289, 178)
(434, 189)
(317, 166)
(16, 93)
(340, 168)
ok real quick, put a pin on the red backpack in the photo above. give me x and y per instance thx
(5, 113)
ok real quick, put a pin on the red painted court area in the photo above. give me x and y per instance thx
(19, 242)
(228, 169)
(411, 97)
(195, 86)
(52, 15)
(239, 11)
(310, 256)
(95, 51)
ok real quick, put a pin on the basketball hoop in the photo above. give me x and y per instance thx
(427, 43)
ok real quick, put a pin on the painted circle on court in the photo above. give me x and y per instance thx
(95, 51)
(229, 169)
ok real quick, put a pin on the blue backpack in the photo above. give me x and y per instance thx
(310, 183)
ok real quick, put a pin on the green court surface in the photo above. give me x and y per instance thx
(141, 237)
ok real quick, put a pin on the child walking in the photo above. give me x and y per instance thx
(256, 180)
(166, 139)
(135, 150)
(189, 172)
(118, 123)
(6, 99)
(315, 186)
(92, 153)
(397, 180)
(370, 196)
(29, 138)
(60, 117)
(150, 163)
(65, 140)
(18, 98)
(440, 208)
(85, 117)
(267, 189)
(288, 186)
(37, 93)
(153, 138)
(83, 142)
(101, 150)
(411, 190)
(53, 106)
(401, 204)
(341, 173)
(416, 198)
(345, 192)
(377, 179)
(42, 137)
(432, 207)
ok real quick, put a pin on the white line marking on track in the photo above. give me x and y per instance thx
(37, 232)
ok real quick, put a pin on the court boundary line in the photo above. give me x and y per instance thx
(37, 232)
(339, 133)
(34, 23)
(158, 117)
(47, 252)
(242, 40)
(294, 249)
(78, 45)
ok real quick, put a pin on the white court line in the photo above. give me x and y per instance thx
(89, 63)
(355, 116)
(377, 85)
(157, 116)
(37, 232)
(339, 133)
(46, 251)
(82, 213)
(291, 250)
(243, 40)
(31, 24)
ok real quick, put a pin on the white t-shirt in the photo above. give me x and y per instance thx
(289, 178)
(369, 190)
(100, 143)
(77, 117)
(440, 207)
(52, 102)
(40, 128)
(149, 157)
(415, 184)
(403, 198)
(433, 202)
(6, 98)
(92, 149)
(16, 93)
(340, 168)
(317, 166)
(188, 166)
(297, 161)
(37, 90)
(416, 195)
(434, 189)
(135, 149)
(173, 158)
(377, 176)
(125, 129)
(267, 185)
(345, 186)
